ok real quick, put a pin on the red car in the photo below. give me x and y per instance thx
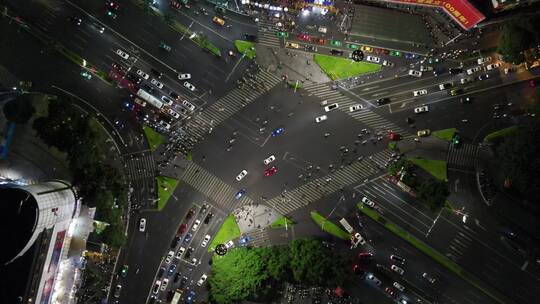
(319, 41)
(304, 37)
(358, 270)
(270, 171)
(181, 229)
(393, 136)
(365, 255)
(390, 292)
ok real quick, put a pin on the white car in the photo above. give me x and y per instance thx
(189, 86)
(195, 225)
(373, 59)
(398, 286)
(445, 86)
(359, 239)
(205, 240)
(421, 109)
(164, 284)
(420, 93)
(484, 60)
(201, 281)
(415, 73)
(180, 252)
(397, 269)
(184, 76)
(169, 257)
(321, 118)
(322, 29)
(173, 113)
(387, 63)
(229, 244)
(331, 107)
(158, 84)
(142, 224)
(425, 68)
(167, 100)
(122, 54)
(368, 202)
(241, 175)
(490, 67)
(143, 74)
(269, 159)
(473, 70)
(157, 285)
(466, 80)
(374, 279)
(194, 261)
(188, 105)
(355, 107)
(165, 125)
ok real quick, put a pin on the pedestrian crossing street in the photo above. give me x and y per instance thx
(317, 189)
(259, 238)
(267, 34)
(462, 157)
(140, 166)
(215, 189)
(374, 121)
(228, 105)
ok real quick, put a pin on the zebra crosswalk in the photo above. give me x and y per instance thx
(140, 171)
(229, 104)
(317, 189)
(215, 189)
(371, 119)
(462, 157)
(267, 34)
(259, 238)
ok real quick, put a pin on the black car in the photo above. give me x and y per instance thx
(397, 258)
(177, 277)
(188, 253)
(147, 88)
(251, 38)
(183, 282)
(311, 48)
(156, 73)
(174, 95)
(203, 208)
(174, 242)
(75, 20)
(161, 272)
(382, 101)
(438, 71)
(133, 78)
(336, 52)
(208, 218)
(465, 99)
(455, 70)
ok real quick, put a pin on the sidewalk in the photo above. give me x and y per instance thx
(254, 217)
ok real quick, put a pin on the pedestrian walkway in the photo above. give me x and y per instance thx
(462, 157)
(268, 34)
(259, 238)
(215, 189)
(371, 119)
(308, 193)
(228, 105)
(140, 172)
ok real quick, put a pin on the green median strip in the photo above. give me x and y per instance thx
(339, 68)
(445, 134)
(229, 231)
(437, 168)
(432, 253)
(329, 227)
(500, 133)
(166, 187)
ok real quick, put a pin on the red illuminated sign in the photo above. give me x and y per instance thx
(461, 11)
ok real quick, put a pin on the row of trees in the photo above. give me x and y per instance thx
(517, 36)
(429, 190)
(99, 183)
(257, 273)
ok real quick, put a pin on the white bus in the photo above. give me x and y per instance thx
(177, 296)
(150, 98)
(346, 225)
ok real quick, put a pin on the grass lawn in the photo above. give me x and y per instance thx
(166, 186)
(428, 250)
(246, 47)
(445, 134)
(392, 145)
(437, 168)
(229, 230)
(154, 138)
(338, 68)
(280, 222)
(330, 227)
(500, 133)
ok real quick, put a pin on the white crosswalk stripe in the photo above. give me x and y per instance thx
(215, 189)
(267, 34)
(259, 238)
(316, 189)
(228, 105)
(462, 157)
(371, 119)
(140, 166)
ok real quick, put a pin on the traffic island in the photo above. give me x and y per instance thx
(229, 231)
(339, 68)
(281, 222)
(327, 226)
(500, 133)
(154, 138)
(445, 134)
(432, 253)
(437, 168)
(166, 187)
(246, 48)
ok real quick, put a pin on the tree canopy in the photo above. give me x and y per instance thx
(19, 110)
(434, 192)
(518, 36)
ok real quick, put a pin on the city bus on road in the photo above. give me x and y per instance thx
(150, 98)
(177, 296)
